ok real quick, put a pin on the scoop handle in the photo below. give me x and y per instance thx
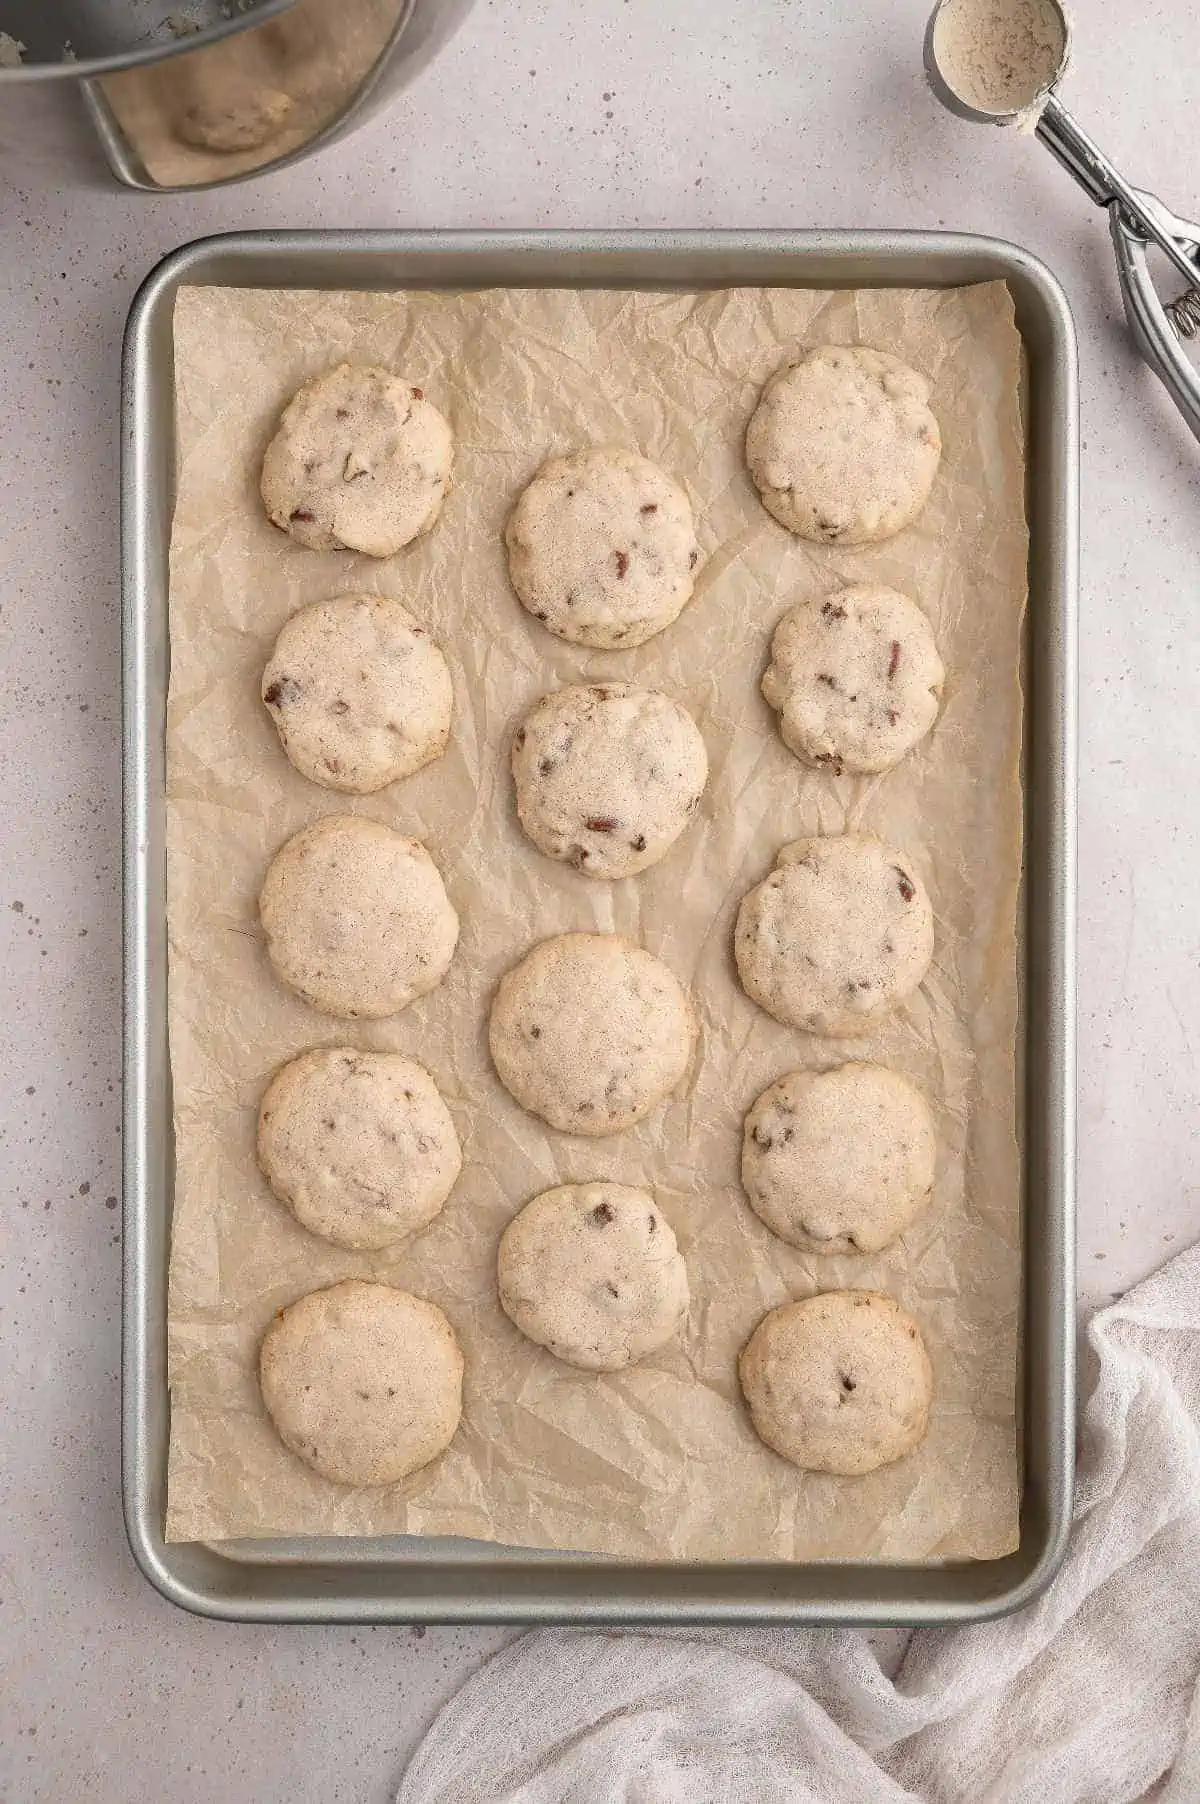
(1082, 158)
(1149, 322)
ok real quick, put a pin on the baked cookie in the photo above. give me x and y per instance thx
(590, 1032)
(242, 116)
(839, 1382)
(592, 1272)
(843, 446)
(362, 1382)
(357, 917)
(836, 936)
(358, 1145)
(602, 548)
(359, 692)
(360, 462)
(855, 678)
(607, 776)
(839, 1161)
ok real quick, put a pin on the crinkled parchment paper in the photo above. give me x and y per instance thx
(658, 1461)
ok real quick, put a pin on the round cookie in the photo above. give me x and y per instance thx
(242, 116)
(839, 1382)
(357, 917)
(363, 1382)
(855, 678)
(836, 936)
(590, 1032)
(592, 1272)
(839, 1161)
(358, 1145)
(359, 693)
(843, 446)
(602, 548)
(360, 462)
(607, 776)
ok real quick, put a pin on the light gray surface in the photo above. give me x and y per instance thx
(778, 112)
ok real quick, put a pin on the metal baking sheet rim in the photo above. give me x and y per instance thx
(409, 1579)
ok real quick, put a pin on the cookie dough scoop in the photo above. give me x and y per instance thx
(1000, 62)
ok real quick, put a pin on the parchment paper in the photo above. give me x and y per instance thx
(658, 1461)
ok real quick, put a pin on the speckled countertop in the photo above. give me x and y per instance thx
(615, 113)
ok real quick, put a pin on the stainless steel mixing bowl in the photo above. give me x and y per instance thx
(94, 37)
(218, 90)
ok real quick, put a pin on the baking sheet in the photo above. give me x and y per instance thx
(657, 1462)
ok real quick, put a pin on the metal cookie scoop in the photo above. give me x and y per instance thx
(999, 62)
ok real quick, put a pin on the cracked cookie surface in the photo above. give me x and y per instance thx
(840, 1382)
(356, 917)
(358, 1145)
(607, 776)
(839, 1161)
(591, 1032)
(602, 548)
(359, 693)
(360, 462)
(362, 1382)
(838, 934)
(593, 1273)
(843, 446)
(855, 678)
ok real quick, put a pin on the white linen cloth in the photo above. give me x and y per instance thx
(1087, 1697)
